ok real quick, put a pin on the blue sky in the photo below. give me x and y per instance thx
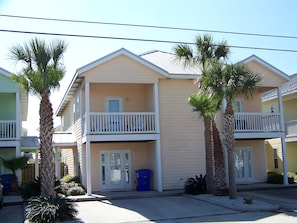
(264, 17)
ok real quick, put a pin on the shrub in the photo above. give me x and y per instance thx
(274, 178)
(76, 190)
(69, 178)
(195, 185)
(31, 189)
(45, 209)
(277, 178)
(71, 188)
(293, 176)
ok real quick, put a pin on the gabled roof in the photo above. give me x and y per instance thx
(155, 60)
(265, 64)
(287, 88)
(5, 72)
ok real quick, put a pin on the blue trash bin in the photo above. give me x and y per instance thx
(6, 182)
(143, 179)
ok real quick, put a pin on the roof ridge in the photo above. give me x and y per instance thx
(154, 51)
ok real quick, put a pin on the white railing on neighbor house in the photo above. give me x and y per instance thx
(291, 127)
(257, 122)
(121, 122)
(7, 129)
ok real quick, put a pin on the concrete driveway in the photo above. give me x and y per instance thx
(175, 209)
(286, 198)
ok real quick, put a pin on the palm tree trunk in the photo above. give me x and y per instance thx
(219, 160)
(229, 123)
(46, 150)
(208, 156)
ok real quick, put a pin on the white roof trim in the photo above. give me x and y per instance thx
(265, 64)
(3, 71)
(117, 53)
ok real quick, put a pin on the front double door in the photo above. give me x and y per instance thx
(243, 164)
(115, 169)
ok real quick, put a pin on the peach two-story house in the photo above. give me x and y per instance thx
(14, 109)
(275, 156)
(127, 112)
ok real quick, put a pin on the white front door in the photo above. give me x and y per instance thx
(114, 105)
(115, 169)
(243, 164)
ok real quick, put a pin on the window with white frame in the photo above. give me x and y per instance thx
(272, 109)
(275, 158)
(237, 105)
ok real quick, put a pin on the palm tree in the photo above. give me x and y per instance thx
(41, 74)
(230, 81)
(14, 164)
(207, 105)
(206, 50)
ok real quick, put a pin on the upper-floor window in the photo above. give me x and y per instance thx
(272, 109)
(76, 110)
(237, 105)
(275, 158)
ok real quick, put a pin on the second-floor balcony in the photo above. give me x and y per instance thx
(251, 122)
(121, 123)
(7, 129)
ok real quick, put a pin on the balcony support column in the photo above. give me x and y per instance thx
(18, 116)
(283, 138)
(156, 108)
(36, 163)
(58, 162)
(158, 165)
(88, 167)
(87, 104)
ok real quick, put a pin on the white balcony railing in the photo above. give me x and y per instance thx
(121, 122)
(7, 129)
(291, 128)
(257, 122)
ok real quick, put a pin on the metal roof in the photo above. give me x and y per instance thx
(168, 62)
(287, 88)
(63, 139)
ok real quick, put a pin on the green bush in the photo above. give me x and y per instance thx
(76, 190)
(293, 176)
(31, 189)
(45, 209)
(71, 188)
(277, 178)
(195, 185)
(69, 178)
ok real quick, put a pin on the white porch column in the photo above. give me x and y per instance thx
(88, 167)
(18, 154)
(58, 162)
(283, 138)
(18, 117)
(158, 165)
(156, 108)
(36, 163)
(87, 106)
